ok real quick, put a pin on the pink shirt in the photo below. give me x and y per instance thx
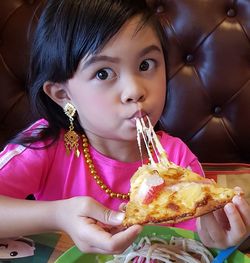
(51, 174)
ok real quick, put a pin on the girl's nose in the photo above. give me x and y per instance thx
(133, 91)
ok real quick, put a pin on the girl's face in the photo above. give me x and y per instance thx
(110, 87)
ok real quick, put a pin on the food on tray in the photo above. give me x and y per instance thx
(164, 192)
(155, 249)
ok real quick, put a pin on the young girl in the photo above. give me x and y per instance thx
(96, 65)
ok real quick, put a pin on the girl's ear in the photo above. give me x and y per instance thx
(56, 92)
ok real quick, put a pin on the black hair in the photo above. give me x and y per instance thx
(67, 31)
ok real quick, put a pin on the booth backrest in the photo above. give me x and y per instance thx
(208, 100)
(208, 103)
(17, 21)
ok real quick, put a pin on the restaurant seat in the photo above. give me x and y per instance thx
(17, 21)
(208, 89)
(208, 103)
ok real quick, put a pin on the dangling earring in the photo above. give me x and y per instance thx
(71, 138)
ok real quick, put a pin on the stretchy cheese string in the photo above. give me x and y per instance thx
(142, 131)
(138, 127)
(149, 137)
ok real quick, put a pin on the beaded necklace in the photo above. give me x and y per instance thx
(97, 178)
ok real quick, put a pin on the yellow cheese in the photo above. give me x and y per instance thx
(190, 194)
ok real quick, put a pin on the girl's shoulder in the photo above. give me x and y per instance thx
(170, 140)
(177, 151)
(35, 127)
(39, 123)
(30, 151)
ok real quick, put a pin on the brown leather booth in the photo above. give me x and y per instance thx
(17, 20)
(208, 102)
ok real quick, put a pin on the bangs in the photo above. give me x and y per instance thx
(95, 24)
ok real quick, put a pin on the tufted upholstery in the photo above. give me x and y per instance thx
(208, 102)
(17, 18)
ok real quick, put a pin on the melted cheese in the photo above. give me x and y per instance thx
(190, 194)
(183, 192)
(150, 138)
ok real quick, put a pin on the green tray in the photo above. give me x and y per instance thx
(73, 255)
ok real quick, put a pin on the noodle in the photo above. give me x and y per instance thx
(158, 250)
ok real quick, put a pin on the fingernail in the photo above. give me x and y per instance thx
(139, 229)
(229, 208)
(237, 199)
(118, 218)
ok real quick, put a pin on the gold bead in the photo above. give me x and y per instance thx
(86, 155)
(84, 139)
(95, 177)
(85, 145)
(108, 191)
(112, 195)
(89, 161)
(99, 182)
(124, 196)
(91, 166)
(119, 196)
(93, 172)
(104, 187)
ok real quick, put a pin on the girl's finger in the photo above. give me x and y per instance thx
(122, 207)
(221, 217)
(238, 190)
(95, 210)
(118, 242)
(95, 250)
(215, 231)
(202, 231)
(238, 229)
(244, 209)
(123, 239)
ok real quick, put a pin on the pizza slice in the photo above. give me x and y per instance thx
(164, 192)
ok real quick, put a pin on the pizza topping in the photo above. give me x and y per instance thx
(173, 206)
(150, 187)
(190, 194)
(182, 184)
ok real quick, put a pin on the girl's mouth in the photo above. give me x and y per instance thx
(139, 115)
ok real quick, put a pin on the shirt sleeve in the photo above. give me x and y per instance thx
(23, 170)
(179, 153)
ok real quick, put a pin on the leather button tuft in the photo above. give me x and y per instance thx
(231, 12)
(160, 9)
(217, 110)
(189, 58)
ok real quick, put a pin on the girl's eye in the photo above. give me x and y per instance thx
(105, 73)
(147, 64)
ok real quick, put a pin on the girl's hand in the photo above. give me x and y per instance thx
(225, 227)
(93, 227)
